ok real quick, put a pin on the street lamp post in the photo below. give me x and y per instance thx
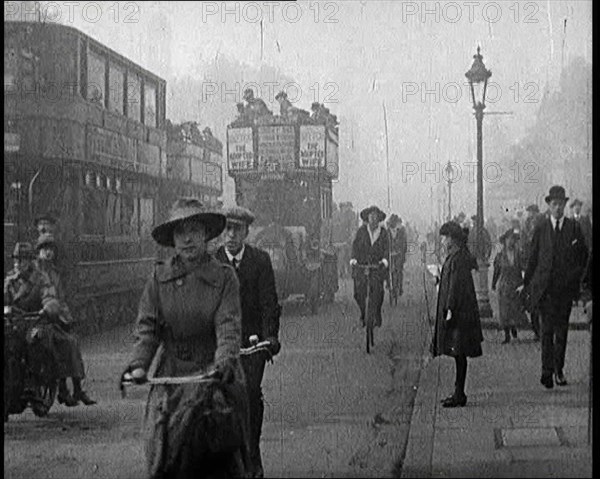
(449, 177)
(478, 77)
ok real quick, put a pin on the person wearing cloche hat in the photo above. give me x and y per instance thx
(260, 313)
(370, 247)
(190, 305)
(67, 352)
(457, 325)
(556, 262)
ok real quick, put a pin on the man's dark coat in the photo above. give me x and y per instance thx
(566, 274)
(258, 294)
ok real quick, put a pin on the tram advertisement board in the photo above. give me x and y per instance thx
(312, 146)
(333, 162)
(276, 148)
(240, 149)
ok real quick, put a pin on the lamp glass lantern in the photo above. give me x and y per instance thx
(478, 77)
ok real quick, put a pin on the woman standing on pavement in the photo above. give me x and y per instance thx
(191, 308)
(458, 328)
(508, 275)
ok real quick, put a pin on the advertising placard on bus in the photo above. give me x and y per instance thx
(240, 149)
(312, 146)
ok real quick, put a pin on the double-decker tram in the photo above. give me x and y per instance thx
(284, 167)
(86, 141)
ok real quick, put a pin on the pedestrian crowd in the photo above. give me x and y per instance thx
(200, 308)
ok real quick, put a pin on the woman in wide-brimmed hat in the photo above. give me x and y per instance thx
(370, 247)
(458, 327)
(508, 269)
(191, 307)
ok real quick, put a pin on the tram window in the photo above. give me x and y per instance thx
(93, 207)
(113, 215)
(96, 78)
(149, 105)
(146, 216)
(116, 92)
(129, 213)
(134, 96)
(10, 68)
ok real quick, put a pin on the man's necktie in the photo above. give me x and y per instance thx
(556, 228)
(234, 262)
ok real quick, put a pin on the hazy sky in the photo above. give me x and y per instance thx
(357, 54)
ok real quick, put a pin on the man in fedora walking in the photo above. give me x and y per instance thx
(370, 247)
(556, 262)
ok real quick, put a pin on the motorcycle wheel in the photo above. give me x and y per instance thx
(47, 396)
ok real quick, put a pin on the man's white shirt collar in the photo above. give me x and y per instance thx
(238, 257)
(560, 222)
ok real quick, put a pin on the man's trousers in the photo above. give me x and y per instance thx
(554, 321)
(254, 368)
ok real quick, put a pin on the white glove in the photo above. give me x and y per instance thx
(448, 315)
(384, 262)
(353, 262)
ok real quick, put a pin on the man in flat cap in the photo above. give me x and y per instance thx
(583, 220)
(260, 313)
(556, 263)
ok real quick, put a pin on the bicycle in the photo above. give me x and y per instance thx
(207, 377)
(201, 419)
(370, 314)
(29, 367)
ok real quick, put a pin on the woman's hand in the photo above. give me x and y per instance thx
(225, 369)
(137, 375)
(448, 315)
(519, 289)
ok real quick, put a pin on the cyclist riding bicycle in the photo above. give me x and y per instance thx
(370, 247)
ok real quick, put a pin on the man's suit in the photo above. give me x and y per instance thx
(553, 276)
(260, 316)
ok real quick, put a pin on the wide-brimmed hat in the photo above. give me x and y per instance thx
(184, 209)
(239, 214)
(45, 239)
(576, 201)
(393, 220)
(364, 214)
(556, 193)
(23, 250)
(454, 231)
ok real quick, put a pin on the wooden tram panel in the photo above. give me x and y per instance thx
(86, 139)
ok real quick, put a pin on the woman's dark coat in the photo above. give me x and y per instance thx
(461, 334)
(195, 313)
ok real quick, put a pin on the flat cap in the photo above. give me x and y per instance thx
(239, 214)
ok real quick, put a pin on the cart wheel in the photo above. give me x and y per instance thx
(47, 395)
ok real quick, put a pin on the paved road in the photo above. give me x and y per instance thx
(331, 409)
